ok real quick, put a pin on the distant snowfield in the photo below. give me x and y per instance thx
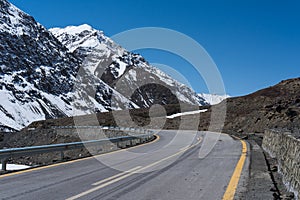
(186, 113)
(11, 167)
(213, 99)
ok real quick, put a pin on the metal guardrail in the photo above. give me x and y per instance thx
(112, 128)
(5, 154)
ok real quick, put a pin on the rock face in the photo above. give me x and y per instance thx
(39, 73)
(286, 149)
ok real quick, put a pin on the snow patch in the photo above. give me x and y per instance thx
(186, 113)
(12, 167)
(121, 69)
(20, 113)
(132, 75)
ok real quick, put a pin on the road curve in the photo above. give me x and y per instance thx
(169, 168)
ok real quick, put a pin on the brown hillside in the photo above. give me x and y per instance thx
(274, 107)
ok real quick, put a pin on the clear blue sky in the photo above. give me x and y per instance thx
(255, 44)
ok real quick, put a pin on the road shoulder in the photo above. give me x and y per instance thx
(260, 184)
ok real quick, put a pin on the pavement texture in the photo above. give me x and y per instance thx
(173, 167)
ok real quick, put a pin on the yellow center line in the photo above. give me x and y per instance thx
(232, 186)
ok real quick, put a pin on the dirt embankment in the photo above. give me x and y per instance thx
(274, 107)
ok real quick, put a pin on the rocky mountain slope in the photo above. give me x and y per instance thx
(29, 56)
(123, 70)
(274, 107)
(39, 74)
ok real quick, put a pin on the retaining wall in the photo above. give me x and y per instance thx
(286, 149)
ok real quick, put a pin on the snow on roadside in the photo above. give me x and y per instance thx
(11, 167)
(186, 113)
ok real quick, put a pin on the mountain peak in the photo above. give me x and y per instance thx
(213, 99)
(38, 70)
(122, 67)
(72, 30)
(82, 36)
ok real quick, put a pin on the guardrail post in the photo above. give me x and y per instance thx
(62, 155)
(4, 163)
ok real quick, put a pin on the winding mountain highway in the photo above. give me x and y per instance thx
(178, 165)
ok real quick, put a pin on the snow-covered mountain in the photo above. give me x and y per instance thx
(123, 70)
(38, 72)
(213, 99)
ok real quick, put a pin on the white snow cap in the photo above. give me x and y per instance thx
(72, 30)
(213, 99)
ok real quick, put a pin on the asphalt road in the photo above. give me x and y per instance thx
(181, 165)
